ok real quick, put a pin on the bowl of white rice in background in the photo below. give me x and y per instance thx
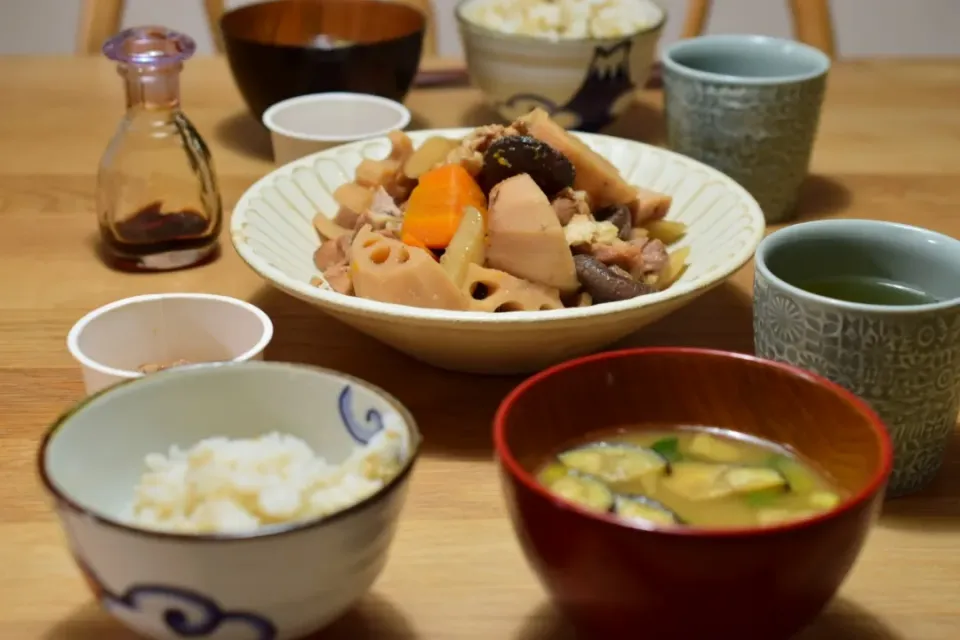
(580, 60)
(231, 500)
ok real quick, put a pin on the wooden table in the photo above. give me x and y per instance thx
(888, 149)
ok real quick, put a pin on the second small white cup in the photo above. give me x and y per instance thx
(307, 124)
(113, 342)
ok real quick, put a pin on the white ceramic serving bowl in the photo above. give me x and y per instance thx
(583, 83)
(113, 341)
(284, 582)
(306, 124)
(273, 232)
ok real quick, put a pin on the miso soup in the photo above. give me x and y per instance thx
(689, 476)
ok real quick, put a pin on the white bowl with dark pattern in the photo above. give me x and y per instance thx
(272, 230)
(279, 582)
(583, 83)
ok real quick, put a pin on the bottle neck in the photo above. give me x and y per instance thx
(152, 88)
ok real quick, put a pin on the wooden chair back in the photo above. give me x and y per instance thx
(812, 23)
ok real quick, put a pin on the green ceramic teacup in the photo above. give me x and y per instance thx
(748, 106)
(901, 356)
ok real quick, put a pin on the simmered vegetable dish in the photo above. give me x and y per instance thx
(523, 217)
(689, 477)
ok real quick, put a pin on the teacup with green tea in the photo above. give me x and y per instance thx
(875, 307)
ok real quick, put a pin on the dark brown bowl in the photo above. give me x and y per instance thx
(272, 56)
(617, 581)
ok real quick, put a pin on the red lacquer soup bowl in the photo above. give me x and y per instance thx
(616, 580)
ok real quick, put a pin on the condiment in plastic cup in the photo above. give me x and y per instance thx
(307, 124)
(118, 340)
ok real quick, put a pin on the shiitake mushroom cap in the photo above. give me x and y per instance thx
(512, 155)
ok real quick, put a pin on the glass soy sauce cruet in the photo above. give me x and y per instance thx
(157, 199)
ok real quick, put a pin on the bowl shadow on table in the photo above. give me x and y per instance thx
(936, 507)
(241, 132)
(721, 318)
(453, 410)
(821, 197)
(373, 618)
(842, 620)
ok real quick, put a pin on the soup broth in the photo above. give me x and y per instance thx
(689, 476)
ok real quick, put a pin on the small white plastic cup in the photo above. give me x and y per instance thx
(112, 343)
(306, 124)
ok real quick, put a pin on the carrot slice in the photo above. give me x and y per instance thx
(436, 205)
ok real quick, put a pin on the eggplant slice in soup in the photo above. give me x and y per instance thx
(584, 491)
(615, 462)
(644, 508)
(710, 481)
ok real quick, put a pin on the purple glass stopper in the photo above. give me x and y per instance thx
(152, 46)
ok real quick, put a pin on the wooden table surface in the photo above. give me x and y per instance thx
(889, 148)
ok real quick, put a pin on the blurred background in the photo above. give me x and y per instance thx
(864, 28)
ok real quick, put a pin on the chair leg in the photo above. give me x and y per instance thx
(99, 19)
(698, 13)
(813, 25)
(214, 10)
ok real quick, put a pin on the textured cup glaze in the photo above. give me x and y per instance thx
(583, 84)
(278, 583)
(748, 106)
(612, 578)
(903, 360)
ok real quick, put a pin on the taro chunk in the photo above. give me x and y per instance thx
(524, 237)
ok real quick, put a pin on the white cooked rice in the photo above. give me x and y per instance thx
(565, 19)
(223, 485)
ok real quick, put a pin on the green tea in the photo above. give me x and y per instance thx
(866, 290)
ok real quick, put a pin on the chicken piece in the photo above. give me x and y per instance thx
(524, 237)
(469, 153)
(401, 146)
(352, 197)
(569, 203)
(375, 173)
(346, 218)
(388, 270)
(649, 205)
(338, 277)
(639, 258)
(584, 230)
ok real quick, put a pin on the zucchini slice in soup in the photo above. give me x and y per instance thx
(644, 508)
(551, 473)
(584, 491)
(708, 481)
(614, 462)
(750, 479)
(710, 447)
